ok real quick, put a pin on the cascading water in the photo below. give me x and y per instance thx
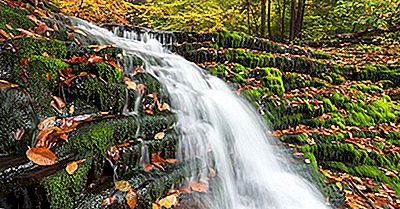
(220, 129)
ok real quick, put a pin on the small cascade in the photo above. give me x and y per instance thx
(218, 128)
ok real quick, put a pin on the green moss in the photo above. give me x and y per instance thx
(368, 171)
(232, 39)
(299, 139)
(105, 90)
(92, 139)
(14, 17)
(38, 83)
(379, 72)
(63, 188)
(272, 79)
(370, 89)
(37, 46)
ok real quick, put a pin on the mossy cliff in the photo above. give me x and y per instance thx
(342, 119)
(84, 94)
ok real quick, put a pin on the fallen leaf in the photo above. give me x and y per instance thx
(159, 135)
(5, 84)
(71, 168)
(171, 160)
(71, 109)
(131, 198)
(94, 58)
(59, 102)
(47, 123)
(108, 201)
(129, 83)
(198, 186)
(212, 173)
(339, 185)
(168, 201)
(97, 48)
(19, 133)
(155, 206)
(122, 186)
(41, 156)
(4, 34)
(163, 107)
(148, 167)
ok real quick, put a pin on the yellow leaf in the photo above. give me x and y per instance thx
(122, 186)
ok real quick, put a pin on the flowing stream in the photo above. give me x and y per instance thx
(221, 130)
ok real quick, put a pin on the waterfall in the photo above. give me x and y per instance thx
(220, 129)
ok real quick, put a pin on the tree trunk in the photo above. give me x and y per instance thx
(293, 18)
(283, 21)
(300, 16)
(269, 20)
(248, 17)
(263, 17)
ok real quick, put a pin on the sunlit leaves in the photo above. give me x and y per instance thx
(99, 11)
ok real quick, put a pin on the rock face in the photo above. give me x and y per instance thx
(77, 102)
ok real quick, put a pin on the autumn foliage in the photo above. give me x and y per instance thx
(99, 11)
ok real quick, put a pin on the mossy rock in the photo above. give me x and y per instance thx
(63, 188)
(17, 122)
(14, 17)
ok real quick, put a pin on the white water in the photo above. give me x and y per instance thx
(220, 129)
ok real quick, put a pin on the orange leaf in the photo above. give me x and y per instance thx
(131, 198)
(94, 58)
(4, 34)
(59, 102)
(71, 168)
(41, 156)
(148, 167)
(171, 160)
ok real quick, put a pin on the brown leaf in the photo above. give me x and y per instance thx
(41, 28)
(97, 48)
(47, 123)
(94, 58)
(131, 198)
(108, 201)
(158, 161)
(171, 160)
(5, 84)
(48, 136)
(41, 156)
(19, 133)
(59, 102)
(140, 88)
(122, 186)
(76, 30)
(148, 167)
(198, 186)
